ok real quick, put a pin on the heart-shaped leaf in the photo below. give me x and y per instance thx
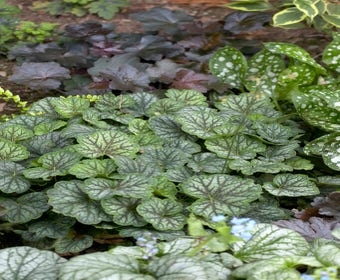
(163, 214)
(109, 142)
(15, 133)
(207, 162)
(93, 168)
(29, 263)
(273, 132)
(293, 185)
(67, 198)
(44, 128)
(73, 244)
(12, 179)
(220, 194)
(71, 106)
(12, 151)
(187, 97)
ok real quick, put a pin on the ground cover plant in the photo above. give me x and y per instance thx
(232, 174)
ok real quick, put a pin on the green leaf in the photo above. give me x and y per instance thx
(220, 194)
(288, 16)
(239, 146)
(168, 128)
(207, 162)
(292, 185)
(123, 210)
(44, 128)
(188, 147)
(298, 163)
(332, 19)
(163, 214)
(229, 65)
(164, 106)
(11, 151)
(331, 155)
(328, 254)
(15, 133)
(71, 106)
(52, 226)
(308, 7)
(143, 101)
(199, 121)
(29, 264)
(53, 164)
(280, 153)
(331, 55)
(67, 198)
(294, 51)
(12, 179)
(250, 6)
(187, 97)
(263, 71)
(25, 208)
(270, 241)
(299, 74)
(93, 168)
(179, 174)
(102, 265)
(73, 244)
(110, 143)
(99, 188)
(273, 132)
(106, 8)
(127, 165)
(76, 130)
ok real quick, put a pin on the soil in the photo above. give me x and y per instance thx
(205, 11)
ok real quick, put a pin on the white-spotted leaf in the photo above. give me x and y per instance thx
(331, 54)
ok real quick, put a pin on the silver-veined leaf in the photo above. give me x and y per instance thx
(328, 254)
(229, 65)
(75, 130)
(238, 146)
(165, 106)
(44, 106)
(220, 194)
(67, 198)
(179, 174)
(52, 164)
(163, 187)
(25, 208)
(93, 168)
(47, 127)
(109, 142)
(294, 51)
(123, 210)
(188, 97)
(280, 153)
(163, 214)
(12, 179)
(188, 147)
(161, 235)
(143, 101)
(275, 133)
(99, 188)
(73, 244)
(71, 106)
(292, 185)
(94, 116)
(12, 151)
(102, 265)
(207, 162)
(138, 165)
(269, 241)
(29, 264)
(15, 132)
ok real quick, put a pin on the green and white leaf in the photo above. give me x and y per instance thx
(123, 210)
(220, 194)
(288, 16)
(187, 97)
(295, 52)
(250, 6)
(270, 241)
(163, 214)
(328, 254)
(11, 151)
(53, 164)
(331, 155)
(29, 264)
(237, 147)
(229, 66)
(99, 188)
(25, 208)
(298, 74)
(47, 127)
(12, 179)
(108, 142)
(275, 133)
(331, 55)
(102, 265)
(15, 132)
(280, 153)
(73, 244)
(71, 106)
(138, 165)
(67, 198)
(292, 185)
(207, 162)
(308, 7)
(93, 168)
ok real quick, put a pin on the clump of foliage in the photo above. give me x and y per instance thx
(103, 8)
(7, 96)
(322, 14)
(13, 31)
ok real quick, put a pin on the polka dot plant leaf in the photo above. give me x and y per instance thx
(229, 65)
(331, 54)
(300, 74)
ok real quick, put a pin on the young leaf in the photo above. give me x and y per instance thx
(25, 208)
(71, 106)
(110, 143)
(229, 65)
(67, 198)
(73, 244)
(220, 194)
(123, 210)
(101, 265)
(44, 128)
(11, 151)
(40, 75)
(106, 8)
(270, 241)
(292, 185)
(29, 263)
(163, 214)
(93, 168)
(12, 179)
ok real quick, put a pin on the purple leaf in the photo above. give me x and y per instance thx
(188, 79)
(329, 206)
(43, 75)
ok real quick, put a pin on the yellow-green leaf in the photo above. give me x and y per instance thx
(332, 19)
(250, 6)
(308, 7)
(288, 16)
